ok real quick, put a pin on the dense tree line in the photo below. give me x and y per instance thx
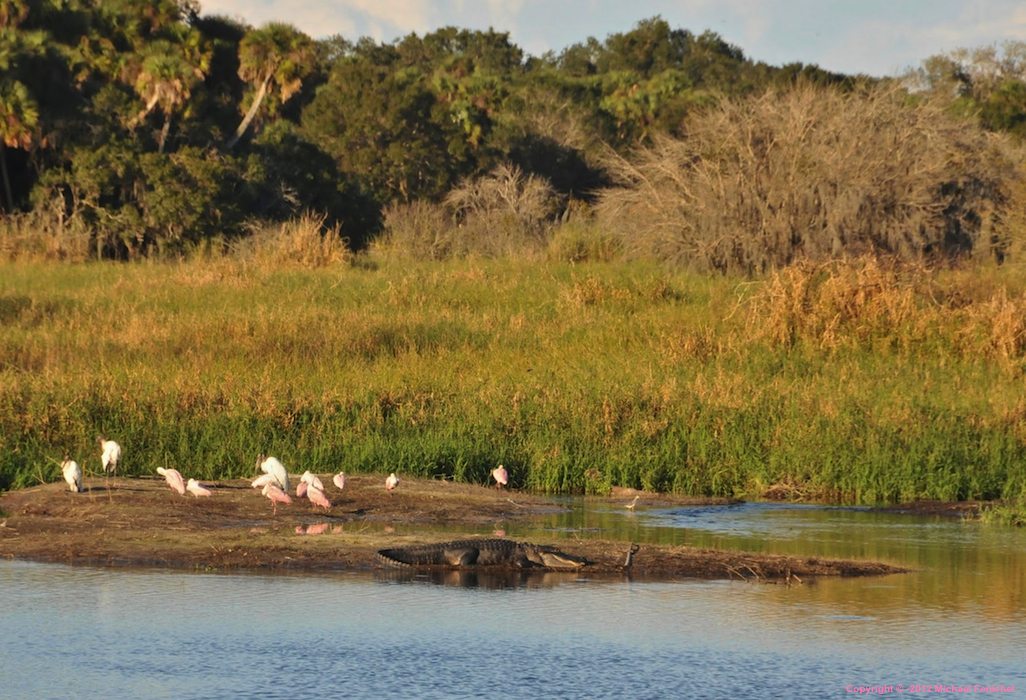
(158, 128)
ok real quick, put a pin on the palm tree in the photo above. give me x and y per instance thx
(166, 79)
(19, 113)
(277, 54)
(19, 118)
(13, 12)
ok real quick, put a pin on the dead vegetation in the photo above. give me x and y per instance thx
(888, 304)
(813, 173)
(505, 212)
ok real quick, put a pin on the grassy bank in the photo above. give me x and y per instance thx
(854, 383)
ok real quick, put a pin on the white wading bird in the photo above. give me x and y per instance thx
(391, 483)
(72, 474)
(111, 455)
(339, 480)
(262, 481)
(279, 477)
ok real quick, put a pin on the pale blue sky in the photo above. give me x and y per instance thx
(878, 37)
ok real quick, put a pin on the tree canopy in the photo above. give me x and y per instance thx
(158, 127)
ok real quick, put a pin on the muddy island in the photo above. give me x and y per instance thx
(141, 522)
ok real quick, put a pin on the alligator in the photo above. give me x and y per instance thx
(475, 553)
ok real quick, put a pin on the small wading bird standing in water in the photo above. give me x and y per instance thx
(391, 483)
(72, 473)
(630, 506)
(501, 476)
(174, 479)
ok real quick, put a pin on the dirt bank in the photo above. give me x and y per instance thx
(140, 521)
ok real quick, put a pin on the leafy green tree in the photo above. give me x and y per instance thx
(578, 60)
(1005, 108)
(216, 104)
(461, 52)
(650, 47)
(276, 55)
(550, 125)
(288, 176)
(187, 197)
(386, 128)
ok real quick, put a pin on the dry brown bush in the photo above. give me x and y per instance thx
(420, 230)
(502, 213)
(44, 235)
(812, 173)
(305, 241)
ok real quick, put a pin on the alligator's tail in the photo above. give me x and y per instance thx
(384, 560)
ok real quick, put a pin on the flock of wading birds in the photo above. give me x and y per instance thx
(274, 482)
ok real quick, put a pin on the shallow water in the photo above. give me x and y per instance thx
(959, 620)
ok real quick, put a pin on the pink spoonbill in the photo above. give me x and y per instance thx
(339, 480)
(276, 495)
(197, 489)
(501, 476)
(312, 480)
(318, 498)
(174, 479)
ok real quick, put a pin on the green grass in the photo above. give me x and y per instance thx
(577, 378)
(1011, 513)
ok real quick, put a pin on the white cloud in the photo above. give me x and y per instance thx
(871, 36)
(384, 20)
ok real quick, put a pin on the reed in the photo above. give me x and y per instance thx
(1010, 513)
(856, 382)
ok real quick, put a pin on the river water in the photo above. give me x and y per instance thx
(958, 621)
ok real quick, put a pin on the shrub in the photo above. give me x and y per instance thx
(502, 213)
(811, 173)
(306, 241)
(43, 235)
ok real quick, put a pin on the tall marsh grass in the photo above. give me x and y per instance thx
(855, 382)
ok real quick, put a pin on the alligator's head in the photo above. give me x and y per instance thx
(551, 558)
